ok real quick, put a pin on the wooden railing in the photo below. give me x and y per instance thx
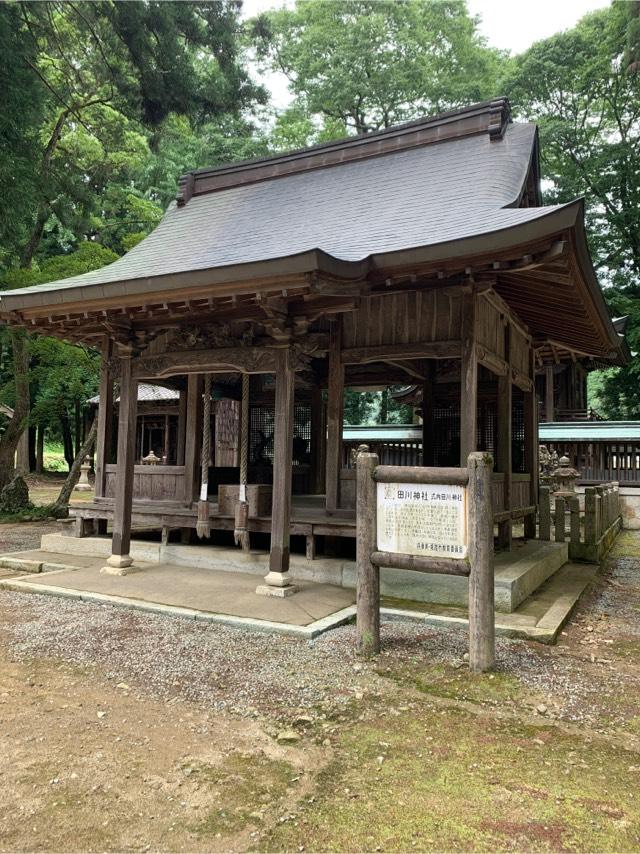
(589, 534)
(390, 453)
(155, 483)
(602, 461)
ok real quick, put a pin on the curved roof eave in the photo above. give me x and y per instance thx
(543, 223)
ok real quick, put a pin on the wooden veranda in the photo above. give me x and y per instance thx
(412, 263)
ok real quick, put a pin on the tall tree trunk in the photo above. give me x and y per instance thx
(62, 501)
(32, 448)
(40, 450)
(15, 428)
(67, 440)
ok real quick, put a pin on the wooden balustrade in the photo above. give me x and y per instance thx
(590, 535)
(155, 483)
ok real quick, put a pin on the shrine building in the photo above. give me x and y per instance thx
(419, 255)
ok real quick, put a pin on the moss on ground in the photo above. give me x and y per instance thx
(452, 780)
(241, 789)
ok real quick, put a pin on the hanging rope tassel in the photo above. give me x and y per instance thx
(203, 527)
(241, 529)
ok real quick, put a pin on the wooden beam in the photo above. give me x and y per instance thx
(318, 440)
(428, 421)
(282, 459)
(385, 352)
(468, 379)
(335, 412)
(193, 438)
(549, 403)
(504, 430)
(105, 418)
(531, 449)
(121, 539)
(182, 427)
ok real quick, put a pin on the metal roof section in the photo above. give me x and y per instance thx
(589, 431)
(350, 212)
(552, 431)
(147, 393)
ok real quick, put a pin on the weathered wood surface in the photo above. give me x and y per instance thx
(105, 415)
(282, 461)
(419, 563)
(335, 412)
(481, 578)
(368, 573)
(545, 513)
(155, 483)
(503, 440)
(531, 462)
(417, 474)
(468, 379)
(193, 437)
(126, 456)
(415, 316)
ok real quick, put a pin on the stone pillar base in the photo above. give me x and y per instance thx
(277, 592)
(119, 565)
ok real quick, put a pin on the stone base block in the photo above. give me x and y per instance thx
(120, 570)
(278, 592)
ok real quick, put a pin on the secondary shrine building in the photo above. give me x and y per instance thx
(417, 255)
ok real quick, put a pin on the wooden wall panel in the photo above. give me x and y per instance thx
(490, 327)
(406, 318)
(520, 351)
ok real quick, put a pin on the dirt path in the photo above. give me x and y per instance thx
(125, 731)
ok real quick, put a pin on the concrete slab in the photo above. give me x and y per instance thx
(522, 570)
(199, 590)
(540, 617)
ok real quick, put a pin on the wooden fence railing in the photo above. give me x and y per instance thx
(589, 534)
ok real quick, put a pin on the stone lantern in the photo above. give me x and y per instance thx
(565, 477)
(83, 484)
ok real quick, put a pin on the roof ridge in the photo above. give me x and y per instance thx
(490, 117)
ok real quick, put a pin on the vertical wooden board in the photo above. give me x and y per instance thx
(367, 575)
(335, 410)
(282, 464)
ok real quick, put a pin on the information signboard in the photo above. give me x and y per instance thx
(422, 519)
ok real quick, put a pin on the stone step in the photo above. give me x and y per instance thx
(521, 571)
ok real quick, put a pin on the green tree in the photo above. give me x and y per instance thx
(586, 100)
(367, 64)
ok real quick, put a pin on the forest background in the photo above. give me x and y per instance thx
(103, 105)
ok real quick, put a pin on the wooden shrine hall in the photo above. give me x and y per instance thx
(418, 254)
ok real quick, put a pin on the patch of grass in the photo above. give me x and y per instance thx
(243, 785)
(452, 780)
(444, 680)
(33, 514)
(626, 544)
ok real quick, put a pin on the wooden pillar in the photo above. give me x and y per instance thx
(468, 380)
(335, 412)
(278, 575)
(165, 450)
(182, 427)
(531, 453)
(120, 543)
(368, 574)
(105, 419)
(428, 404)
(318, 440)
(192, 438)
(481, 577)
(503, 451)
(549, 405)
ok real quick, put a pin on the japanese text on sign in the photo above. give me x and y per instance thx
(422, 519)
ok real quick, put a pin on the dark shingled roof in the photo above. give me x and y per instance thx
(421, 196)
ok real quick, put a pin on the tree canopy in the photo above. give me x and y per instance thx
(104, 104)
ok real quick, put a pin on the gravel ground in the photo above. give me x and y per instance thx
(592, 676)
(249, 673)
(21, 536)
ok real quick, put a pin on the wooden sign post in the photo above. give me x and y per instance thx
(435, 520)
